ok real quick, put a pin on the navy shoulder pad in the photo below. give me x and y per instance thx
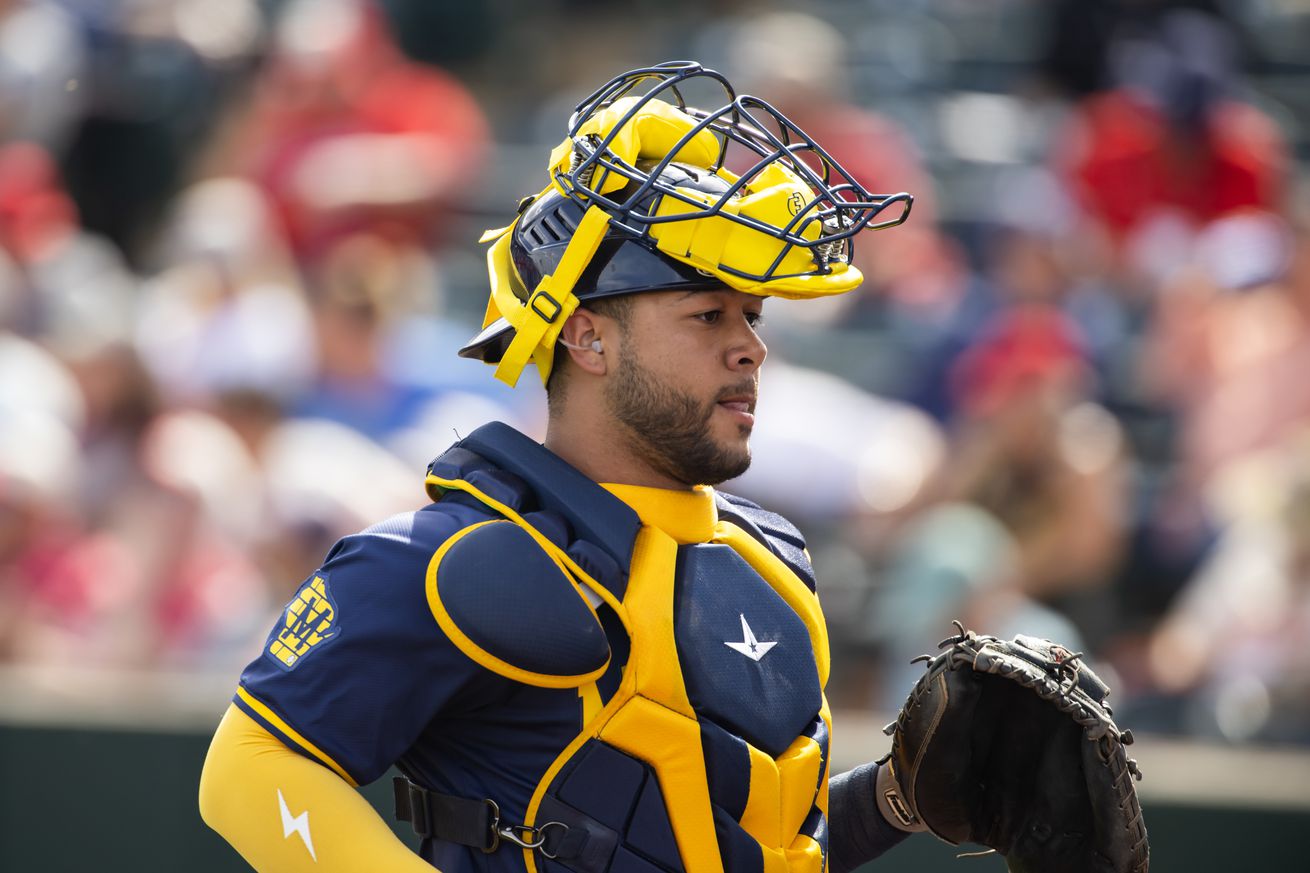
(458, 462)
(782, 537)
(508, 606)
(598, 516)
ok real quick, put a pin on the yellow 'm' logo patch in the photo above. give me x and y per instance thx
(307, 622)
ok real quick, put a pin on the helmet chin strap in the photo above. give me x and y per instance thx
(538, 321)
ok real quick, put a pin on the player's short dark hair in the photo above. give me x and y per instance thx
(618, 307)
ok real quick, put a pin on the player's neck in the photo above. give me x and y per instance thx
(600, 447)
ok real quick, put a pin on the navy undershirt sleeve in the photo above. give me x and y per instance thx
(857, 832)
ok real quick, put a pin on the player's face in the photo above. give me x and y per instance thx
(685, 382)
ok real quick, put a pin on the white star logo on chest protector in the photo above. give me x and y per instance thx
(749, 646)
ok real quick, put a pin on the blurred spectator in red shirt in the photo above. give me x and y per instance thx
(1173, 147)
(347, 134)
(1027, 519)
(43, 549)
(62, 286)
(122, 527)
(1033, 450)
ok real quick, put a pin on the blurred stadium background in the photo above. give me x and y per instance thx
(238, 251)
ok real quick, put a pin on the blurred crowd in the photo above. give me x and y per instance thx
(238, 252)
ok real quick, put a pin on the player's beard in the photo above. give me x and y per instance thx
(671, 430)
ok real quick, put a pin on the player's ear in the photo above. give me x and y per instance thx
(581, 337)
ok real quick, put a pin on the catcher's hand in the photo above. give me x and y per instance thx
(1010, 744)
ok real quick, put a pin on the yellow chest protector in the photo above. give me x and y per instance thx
(711, 756)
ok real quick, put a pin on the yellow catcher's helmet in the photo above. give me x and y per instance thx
(642, 199)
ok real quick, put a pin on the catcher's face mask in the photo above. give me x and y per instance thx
(649, 193)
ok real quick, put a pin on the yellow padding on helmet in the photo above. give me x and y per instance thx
(720, 245)
(651, 135)
(538, 321)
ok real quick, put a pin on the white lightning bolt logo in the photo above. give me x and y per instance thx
(749, 646)
(297, 825)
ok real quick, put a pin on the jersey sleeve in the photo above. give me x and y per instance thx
(356, 665)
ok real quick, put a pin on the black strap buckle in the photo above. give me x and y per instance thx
(541, 297)
(412, 806)
(531, 837)
(474, 823)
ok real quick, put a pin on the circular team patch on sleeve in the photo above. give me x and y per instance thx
(308, 623)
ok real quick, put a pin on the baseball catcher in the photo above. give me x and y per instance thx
(581, 655)
(1011, 745)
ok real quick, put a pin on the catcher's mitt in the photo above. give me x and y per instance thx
(1010, 745)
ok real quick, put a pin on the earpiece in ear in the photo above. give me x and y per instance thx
(594, 347)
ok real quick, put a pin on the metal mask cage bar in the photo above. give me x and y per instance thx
(843, 208)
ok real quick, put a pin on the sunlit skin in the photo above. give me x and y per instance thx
(700, 348)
